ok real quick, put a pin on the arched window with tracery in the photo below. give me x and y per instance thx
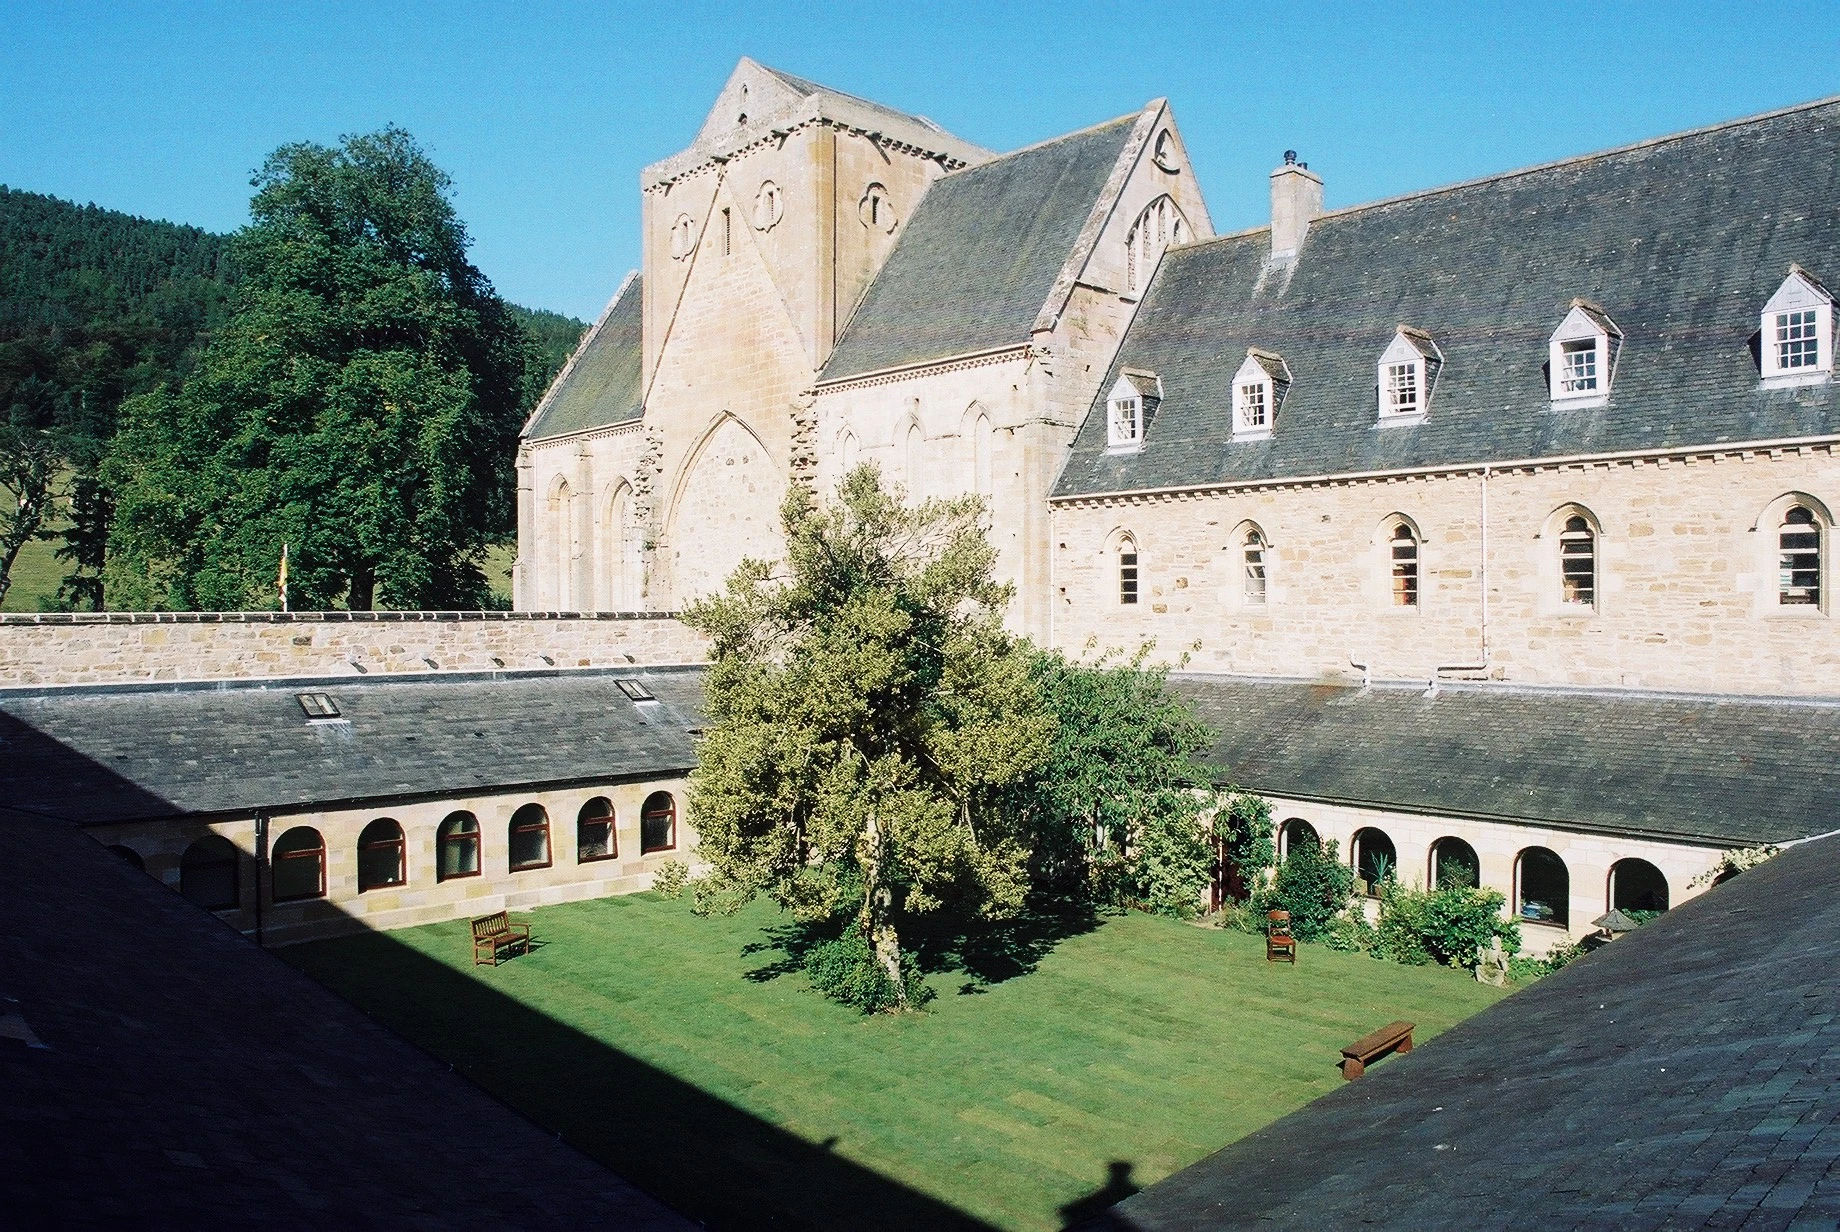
(1160, 225)
(1252, 560)
(209, 873)
(381, 859)
(527, 837)
(1542, 888)
(658, 823)
(457, 847)
(1798, 566)
(297, 866)
(1402, 560)
(594, 837)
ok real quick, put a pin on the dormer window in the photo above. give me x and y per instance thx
(1258, 392)
(1581, 357)
(1407, 376)
(1798, 331)
(1129, 408)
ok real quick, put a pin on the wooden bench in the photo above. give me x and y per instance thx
(1394, 1036)
(495, 931)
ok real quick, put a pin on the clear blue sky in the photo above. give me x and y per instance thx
(544, 113)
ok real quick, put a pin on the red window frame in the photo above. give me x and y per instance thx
(584, 821)
(651, 811)
(394, 842)
(450, 835)
(514, 827)
(317, 852)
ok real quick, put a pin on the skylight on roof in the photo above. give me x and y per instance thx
(317, 705)
(635, 690)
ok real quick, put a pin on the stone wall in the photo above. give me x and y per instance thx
(145, 646)
(1686, 575)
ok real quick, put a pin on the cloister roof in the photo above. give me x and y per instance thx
(1725, 771)
(1682, 241)
(158, 1070)
(136, 752)
(1686, 1075)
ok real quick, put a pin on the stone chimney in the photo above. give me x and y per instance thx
(1296, 202)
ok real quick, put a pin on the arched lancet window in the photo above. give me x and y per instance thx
(1637, 885)
(562, 544)
(1454, 864)
(1160, 225)
(1798, 566)
(594, 837)
(620, 553)
(1294, 833)
(1402, 558)
(913, 462)
(1542, 888)
(209, 873)
(457, 847)
(381, 860)
(128, 855)
(847, 450)
(658, 823)
(1127, 570)
(298, 865)
(527, 837)
(1252, 557)
(983, 480)
(1578, 563)
(1374, 858)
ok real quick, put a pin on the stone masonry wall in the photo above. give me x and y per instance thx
(1687, 576)
(145, 646)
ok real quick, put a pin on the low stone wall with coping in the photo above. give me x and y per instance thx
(110, 647)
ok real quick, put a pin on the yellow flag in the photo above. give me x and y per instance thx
(281, 582)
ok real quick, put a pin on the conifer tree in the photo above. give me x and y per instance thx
(867, 712)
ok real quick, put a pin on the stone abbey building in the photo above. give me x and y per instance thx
(1494, 520)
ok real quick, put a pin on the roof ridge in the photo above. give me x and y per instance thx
(1532, 169)
(1128, 117)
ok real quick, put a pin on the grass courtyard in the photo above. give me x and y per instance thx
(675, 1051)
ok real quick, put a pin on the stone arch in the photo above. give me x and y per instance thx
(1636, 885)
(1793, 537)
(910, 442)
(1292, 833)
(724, 508)
(1373, 857)
(848, 454)
(1245, 561)
(1542, 887)
(1452, 861)
(1399, 552)
(978, 434)
(1123, 557)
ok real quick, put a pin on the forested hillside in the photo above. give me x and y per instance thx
(97, 306)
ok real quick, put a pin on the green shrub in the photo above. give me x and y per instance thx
(1172, 863)
(1313, 885)
(1448, 926)
(1525, 968)
(844, 970)
(671, 878)
(1350, 933)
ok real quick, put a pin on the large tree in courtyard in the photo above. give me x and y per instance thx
(867, 714)
(362, 404)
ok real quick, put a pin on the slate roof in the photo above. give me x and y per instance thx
(1725, 771)
(126, 753)
(980, 254)
(599, 386)
(1684, 1076)
(187, 1079)
(1681, 240)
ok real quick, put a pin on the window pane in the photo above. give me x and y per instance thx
(529, 845)
(594, 840)
(1127, 577)
(1797, 345)
(1255, 569)
(380, 864)
(1578, 366)
(1798, 577)
(459, 855)
(1578, 563)
(1405, 568)
(297, 874)
(658, 823)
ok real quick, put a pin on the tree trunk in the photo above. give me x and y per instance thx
(363, 589)
(878, 929)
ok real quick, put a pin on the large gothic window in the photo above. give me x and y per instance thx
(1160, 225)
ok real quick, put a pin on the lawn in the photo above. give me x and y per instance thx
(673, 1050)
(36, 575)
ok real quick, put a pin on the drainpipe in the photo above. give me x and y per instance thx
(1367, 672)
(261, 860)
(1483, 573)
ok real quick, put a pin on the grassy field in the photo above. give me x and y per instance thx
(36, 574)
(682, 1054)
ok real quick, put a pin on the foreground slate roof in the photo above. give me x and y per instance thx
(126, 753)
(1684, 1076)
(599, 387)
(1720, 771)
(980, 255)
(1681, 240)
(158, 1070)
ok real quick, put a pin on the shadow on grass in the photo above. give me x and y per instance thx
(988, 952)
(716, 1163)
(1118, 1186)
